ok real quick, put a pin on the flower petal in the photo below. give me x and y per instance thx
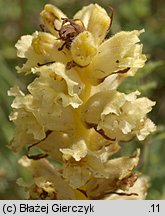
(51, 16)
(54, 142)
(77, 151)
(118, 116)
(23, 45)
(96, 21)
(120, 53)
(39, 49)
(57, 74)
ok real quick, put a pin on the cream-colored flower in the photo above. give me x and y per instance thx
(120, 175)
(83, 37)
(78, 42)
(72, 110)
(47, 45)
(49, 106)
(28, 128)
(81, 165)
(39, 49)
(119, 54)
(97, 141)
(137, 192)
(54, 107)
(95, 20)
(67, 85)
(52, 144)
(38, 189)
(77, 152)
(118, 116)
(46, 179)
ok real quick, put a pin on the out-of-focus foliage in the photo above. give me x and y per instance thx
(19, 17)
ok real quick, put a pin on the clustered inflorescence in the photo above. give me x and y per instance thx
(72, 119)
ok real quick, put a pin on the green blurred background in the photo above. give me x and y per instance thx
(19, 17)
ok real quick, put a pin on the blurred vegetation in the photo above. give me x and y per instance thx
(19, 17)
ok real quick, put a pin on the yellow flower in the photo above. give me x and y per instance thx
(118, 116)
(49, 106)
(28, 128)
(39, 49)
(137, 192)
(94, 18)
(81, 164)
(120, 176)
(46, 178)
(120, 54)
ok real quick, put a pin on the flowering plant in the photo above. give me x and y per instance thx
(73, 111)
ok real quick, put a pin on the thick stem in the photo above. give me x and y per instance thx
(81, 130)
